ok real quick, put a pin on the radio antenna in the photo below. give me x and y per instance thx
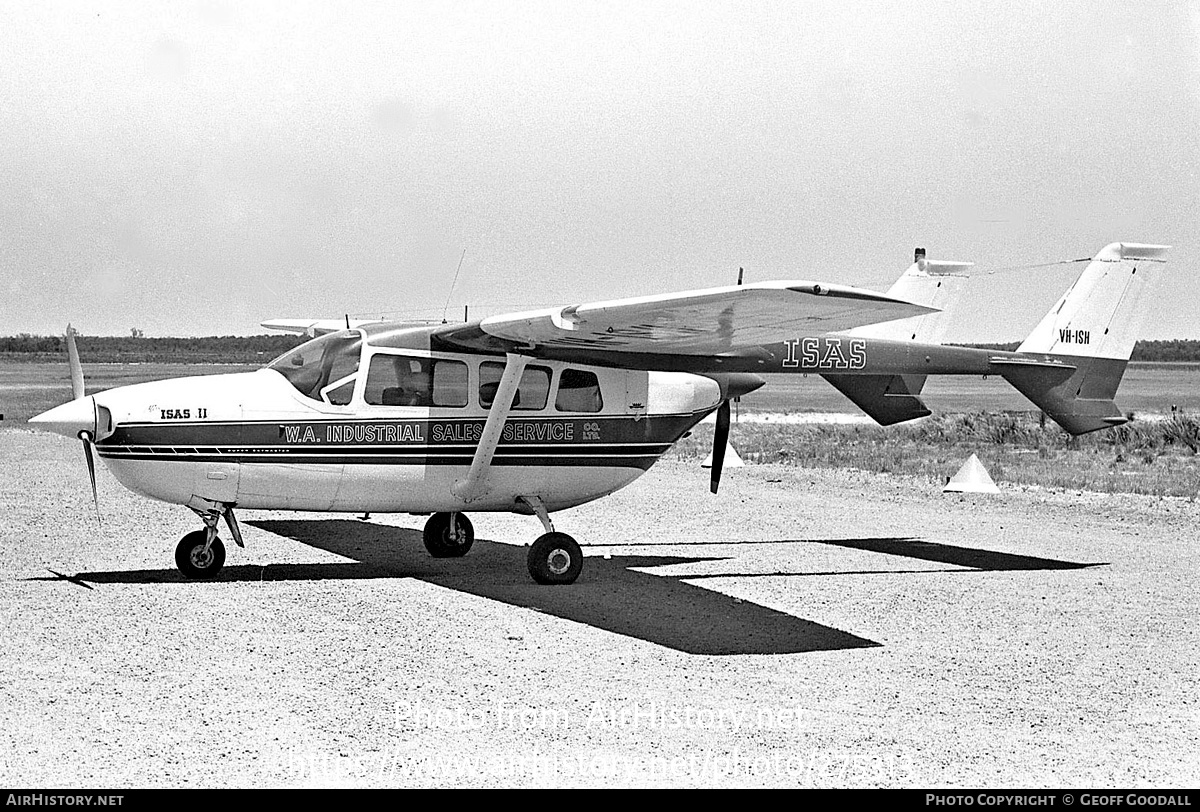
(452, 284)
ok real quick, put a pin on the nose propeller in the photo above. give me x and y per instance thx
(87, 437)
(91, 464)
(720, 440)
(80, 417)
(76, 367)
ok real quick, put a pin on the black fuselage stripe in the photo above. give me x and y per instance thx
(608, 449)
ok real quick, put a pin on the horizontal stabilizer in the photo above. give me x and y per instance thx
(1044, 363)
(1078, 396)
(887, 399)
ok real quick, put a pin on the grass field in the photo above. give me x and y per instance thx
(1156, 457)
(985, 417)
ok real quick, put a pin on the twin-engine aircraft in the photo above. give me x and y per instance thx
(540, 411)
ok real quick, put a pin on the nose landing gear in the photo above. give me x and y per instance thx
(201, 554)
(199, 558)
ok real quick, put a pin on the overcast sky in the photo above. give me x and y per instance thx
(193, 168)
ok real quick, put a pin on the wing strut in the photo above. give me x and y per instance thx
(472, 486)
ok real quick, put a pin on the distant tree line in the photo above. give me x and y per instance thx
(1176, 349)
(128, 349)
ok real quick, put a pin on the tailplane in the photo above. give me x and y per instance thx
(1077, 354)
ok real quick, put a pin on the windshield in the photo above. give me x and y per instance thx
(324, 368)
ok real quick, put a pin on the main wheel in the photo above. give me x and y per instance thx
(444, 541)
(555, 558)
(193, 562)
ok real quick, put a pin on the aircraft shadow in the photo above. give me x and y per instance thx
(972, 557)
(989, 560)
(610, 595)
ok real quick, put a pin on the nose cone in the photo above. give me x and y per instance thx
(70, 418)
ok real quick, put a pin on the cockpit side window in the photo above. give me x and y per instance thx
(324, 368)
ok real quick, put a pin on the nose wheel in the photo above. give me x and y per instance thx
(200, 554)
(199, 558)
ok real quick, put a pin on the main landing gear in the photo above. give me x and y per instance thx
(554, 558)
(200, 554)
(448, 535)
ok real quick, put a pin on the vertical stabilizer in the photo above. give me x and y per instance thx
(1090, 332)
(1099, 316)
(929, 282)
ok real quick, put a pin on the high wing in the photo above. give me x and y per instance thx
(315, 327)
(716, 321)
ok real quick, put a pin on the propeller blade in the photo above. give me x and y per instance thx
(720, 440)
(91, 464)
(76, 367)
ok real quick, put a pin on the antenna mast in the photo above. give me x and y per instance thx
(452, 284)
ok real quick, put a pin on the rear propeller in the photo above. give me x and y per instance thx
(77, 393)
(720, 441)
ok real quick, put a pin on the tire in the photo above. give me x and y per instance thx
(437, 536)
(191, 562)
(555, 559)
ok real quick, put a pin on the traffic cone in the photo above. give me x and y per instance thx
(971, 478)
(732, 460)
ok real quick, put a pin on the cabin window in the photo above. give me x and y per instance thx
(532, 391)
(324, 368)
(450, 385)
(578, 391)
(400, 380)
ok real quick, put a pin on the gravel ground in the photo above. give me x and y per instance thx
(804, 628)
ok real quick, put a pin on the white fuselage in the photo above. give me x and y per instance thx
(255, 441)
